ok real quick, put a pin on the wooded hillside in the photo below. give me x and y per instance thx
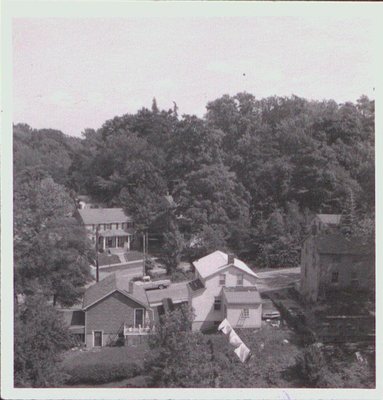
(248, 176)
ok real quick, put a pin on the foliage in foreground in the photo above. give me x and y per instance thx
(101, 373)
(40, 338)
(178, 357)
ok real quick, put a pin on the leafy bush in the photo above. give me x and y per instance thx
(101, 373)
(310, 365)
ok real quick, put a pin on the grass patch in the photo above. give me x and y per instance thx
(108, 364)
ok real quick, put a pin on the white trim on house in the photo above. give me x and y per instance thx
(120, 291)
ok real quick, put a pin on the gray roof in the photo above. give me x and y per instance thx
(340, 244)
(217, 261)
(242, 295)
(109, 285)
(95, 216)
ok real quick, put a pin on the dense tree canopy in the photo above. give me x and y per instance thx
(230, 173)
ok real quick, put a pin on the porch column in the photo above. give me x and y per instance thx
(103, 242)
(115, 242)
(129, 242)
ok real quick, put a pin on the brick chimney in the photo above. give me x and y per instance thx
(230, 258)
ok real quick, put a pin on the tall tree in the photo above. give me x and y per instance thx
(51, 249)
(40, 338)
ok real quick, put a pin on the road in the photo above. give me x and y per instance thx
(277, 279)
(178, 292)
(132, 269)
(268, 280)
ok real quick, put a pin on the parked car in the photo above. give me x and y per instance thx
(271, 314)
(147, 283)
(269, 311)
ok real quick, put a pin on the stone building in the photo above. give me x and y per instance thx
(331, 262)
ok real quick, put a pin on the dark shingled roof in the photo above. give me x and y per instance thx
(340, 244)
(196, 285)
(103, 216)
(109, 285)
(242, 295)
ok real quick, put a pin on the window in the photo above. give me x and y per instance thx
(217, 303)
(117, 225)
(93, 227)
(334, 277)
(222, 279)
(240, 280)
(245, 313)
(138, 317)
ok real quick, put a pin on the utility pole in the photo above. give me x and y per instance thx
(97, 272)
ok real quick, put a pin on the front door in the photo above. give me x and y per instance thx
(97, 338)
(138, 317)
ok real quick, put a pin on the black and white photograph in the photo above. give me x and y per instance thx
(193, 201)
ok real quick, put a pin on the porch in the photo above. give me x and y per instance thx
(114, 239)
(134, 336)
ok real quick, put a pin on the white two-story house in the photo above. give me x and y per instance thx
(115, 228)
(224, 287)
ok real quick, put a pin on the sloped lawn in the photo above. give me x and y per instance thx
(103, 366)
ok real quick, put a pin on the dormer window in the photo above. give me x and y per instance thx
(222, 279)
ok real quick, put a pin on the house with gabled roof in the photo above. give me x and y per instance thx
(224, 287)
(115, 228)
(115, 308)
(325, 223)
(334, 262)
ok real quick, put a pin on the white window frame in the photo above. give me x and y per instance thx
(102, 337)
(246, 313)
(224, 279)
(242, 278)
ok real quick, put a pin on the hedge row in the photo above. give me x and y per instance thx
(101, 373)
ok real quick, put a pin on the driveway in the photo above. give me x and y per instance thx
(277, 279)
(178, 292)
